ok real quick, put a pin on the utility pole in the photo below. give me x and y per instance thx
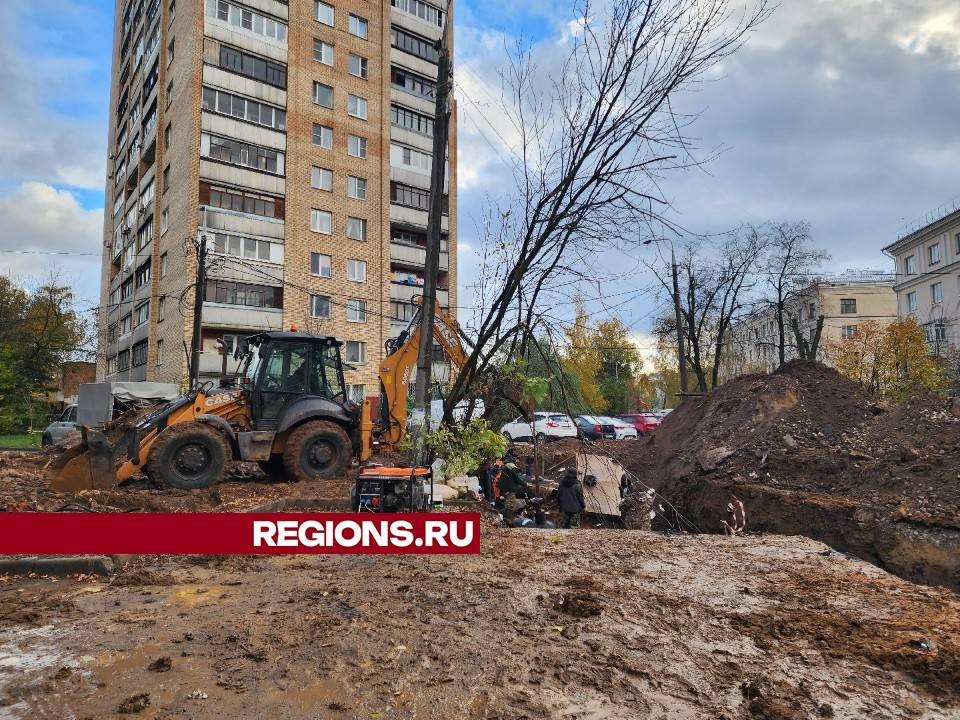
(681, 350)
(196, 343)
(441, 118)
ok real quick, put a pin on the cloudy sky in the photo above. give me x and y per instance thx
(841, 112)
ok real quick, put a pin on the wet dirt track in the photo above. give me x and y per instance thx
(543, 624)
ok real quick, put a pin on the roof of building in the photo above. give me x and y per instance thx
(926, 229)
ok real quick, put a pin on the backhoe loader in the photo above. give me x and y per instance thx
(287, 409)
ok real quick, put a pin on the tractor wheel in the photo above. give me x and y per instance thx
(316, 450)
(188, 456)
(273, 468)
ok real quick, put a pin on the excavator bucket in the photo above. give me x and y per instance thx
(86, 466)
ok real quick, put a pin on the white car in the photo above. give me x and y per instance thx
(622, 429)
(547, 425)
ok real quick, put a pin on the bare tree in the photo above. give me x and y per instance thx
(592, 141)
(790, 262)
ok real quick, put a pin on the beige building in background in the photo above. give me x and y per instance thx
(297, 139)
(845, 302)
(927, 263)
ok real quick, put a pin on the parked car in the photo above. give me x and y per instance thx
(546, 426)
(622, 429)
(643, 422)
(62, 426)
(593, 428)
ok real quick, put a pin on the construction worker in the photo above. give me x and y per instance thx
(570, 499)
(512, 486)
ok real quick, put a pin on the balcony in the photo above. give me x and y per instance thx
(221, 315)
(406, 293)
(414, 256)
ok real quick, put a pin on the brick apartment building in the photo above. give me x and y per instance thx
(296, 137)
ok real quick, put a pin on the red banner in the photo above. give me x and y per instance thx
(239, 533)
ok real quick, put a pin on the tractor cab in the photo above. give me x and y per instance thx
(288, 372)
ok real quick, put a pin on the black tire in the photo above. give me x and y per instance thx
(188, 456)
(273, 468)
(541, 438)
(508, 437)
(45, 440)
(317, 450)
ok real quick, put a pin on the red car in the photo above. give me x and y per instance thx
(643, 422)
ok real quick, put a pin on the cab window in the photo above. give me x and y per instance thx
(286, 369)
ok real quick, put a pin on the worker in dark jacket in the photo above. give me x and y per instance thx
(512, 486)
(570, 499)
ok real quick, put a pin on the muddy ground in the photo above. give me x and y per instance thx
(542, 624)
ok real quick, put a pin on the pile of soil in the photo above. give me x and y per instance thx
(809, 452)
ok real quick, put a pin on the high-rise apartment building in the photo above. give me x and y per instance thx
(296, 137)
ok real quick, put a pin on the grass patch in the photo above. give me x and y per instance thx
(23, 441)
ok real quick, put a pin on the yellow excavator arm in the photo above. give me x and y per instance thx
(383, 418)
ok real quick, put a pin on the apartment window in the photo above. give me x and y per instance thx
(409, 158)
(171, 49)
(848, 331)
(169, 96)
(321, 265)
(142, 314)
(159, 353)
(249, 248)
(357, 270)
(123, 361)
(414, 44)
(240, 153)
(356, 228)
(321, 178)
(358, 66)
(166, 178)
(413, 197)
(323, 136)
(126, 288)
(139, 353)
(936, 331)
(167, 135)
(357, 106)
(356, 146)
(936, 293)
(910, 264)
(241, 108)
(321, 221)
(161, 308)
(143, 274)
(112, 332)
(163, 265)
(356, 310)
(172, 13)
(126, 324)
(252, 66)
(319, 306)
(912, 301)
(233, 293)
(358, 26)
(411, 120)
(324, 13)
(356, 187)
(933, 254)
(247, 19)
(401, 310)
(323, 95)
(356, 352)
(245, 203)
(164, 220)
(323, 52)
(423, 10)
(144, 236)
(848, 306)
(956, 243)
(412, 83)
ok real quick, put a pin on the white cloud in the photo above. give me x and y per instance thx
(38, 217)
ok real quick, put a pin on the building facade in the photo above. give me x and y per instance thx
(296, 139)
(845, 302)
(927, 264)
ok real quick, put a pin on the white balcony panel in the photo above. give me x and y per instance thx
(414, 178)
(244, 270)
(245, 39)
(411, 138)
(414, 102)
(415, 256)
(218, 315)
(221, 172)
(413, 63)
(233, 128)
(406, 293)
(215, 77)
(245, 225)
(414, 218)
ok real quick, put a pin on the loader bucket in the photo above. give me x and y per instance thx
(86, 466)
